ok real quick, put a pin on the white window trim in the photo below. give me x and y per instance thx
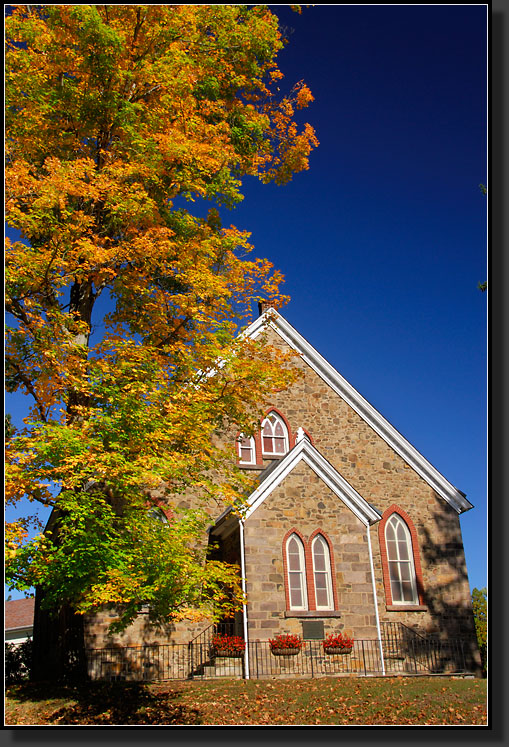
(346, 391)
(303, 574)
(410, 561)
(252, 446)
(285, 431)
(328, 572)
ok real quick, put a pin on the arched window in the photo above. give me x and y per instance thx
(400, 560)
(296, 569)
(274, 435)
(158, 514)
(322, 574)
(246, 450)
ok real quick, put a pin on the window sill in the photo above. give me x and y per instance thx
(312, 613)
(250, 466)
(406, 608)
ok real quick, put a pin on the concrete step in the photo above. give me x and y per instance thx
(224, 671)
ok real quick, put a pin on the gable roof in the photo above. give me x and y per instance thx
(304, 451)
(19, 613)
(273, 319)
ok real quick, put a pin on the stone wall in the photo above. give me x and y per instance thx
(140, 633)
(382, 477)
(304, 503)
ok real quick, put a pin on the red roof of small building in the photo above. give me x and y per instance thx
(19, 613)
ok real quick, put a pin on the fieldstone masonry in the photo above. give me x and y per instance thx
(302, 502)
(383, 479)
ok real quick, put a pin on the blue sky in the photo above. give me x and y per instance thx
(384, 239)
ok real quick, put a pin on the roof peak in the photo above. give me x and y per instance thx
(265, 305)
(272, 318)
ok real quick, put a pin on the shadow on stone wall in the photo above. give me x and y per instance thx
(141, 663)
(451, 616)
(65, 651)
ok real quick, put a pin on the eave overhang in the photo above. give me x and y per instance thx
(274, 475)
(272, 319)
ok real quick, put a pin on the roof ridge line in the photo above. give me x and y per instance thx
(452, 495)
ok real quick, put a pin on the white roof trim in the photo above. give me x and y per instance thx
(333, 378)
(28, 626)
(306, 452)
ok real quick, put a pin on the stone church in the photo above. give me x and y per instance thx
(349, 528)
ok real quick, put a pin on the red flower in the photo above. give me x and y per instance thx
(286, 640)
(338, 641)
(231, 643)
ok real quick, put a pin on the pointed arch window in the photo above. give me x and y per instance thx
(400, 559)
(246, 449)
(274, 435)
(296, 569)
(158, 515)
(322, 575)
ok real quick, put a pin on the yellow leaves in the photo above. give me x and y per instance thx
(111, 122)
(304, 96)
(53, 185)
(117, 587)
(15, 534)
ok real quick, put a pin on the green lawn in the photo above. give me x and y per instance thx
(327, 701)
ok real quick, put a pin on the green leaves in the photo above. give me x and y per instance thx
(480, 610)
(97, 555)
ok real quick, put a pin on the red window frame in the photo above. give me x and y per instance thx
(258, 438)
(309, 570)
(394, 509)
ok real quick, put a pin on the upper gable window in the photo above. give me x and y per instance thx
(274, 435)
(322, 574)
(401, 562)
(246, 450)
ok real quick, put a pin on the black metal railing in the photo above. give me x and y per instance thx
(313, 661)
(200, 648)
(139, 663)
(195, 660)
(407, 650)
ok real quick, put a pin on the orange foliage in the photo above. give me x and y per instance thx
(118, 118)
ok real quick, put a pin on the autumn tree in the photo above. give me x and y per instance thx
(124, 304)
(480, 609)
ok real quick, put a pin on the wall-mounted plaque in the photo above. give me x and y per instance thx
(312, 630)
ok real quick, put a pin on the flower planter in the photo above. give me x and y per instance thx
(227, 647)
(285, 651)
(219, 653)
(337, 650)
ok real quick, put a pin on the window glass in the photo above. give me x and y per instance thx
(322, 574)
(296, 573)
(158, 515)
(400, 559)
(246, 450)
(274, 436)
